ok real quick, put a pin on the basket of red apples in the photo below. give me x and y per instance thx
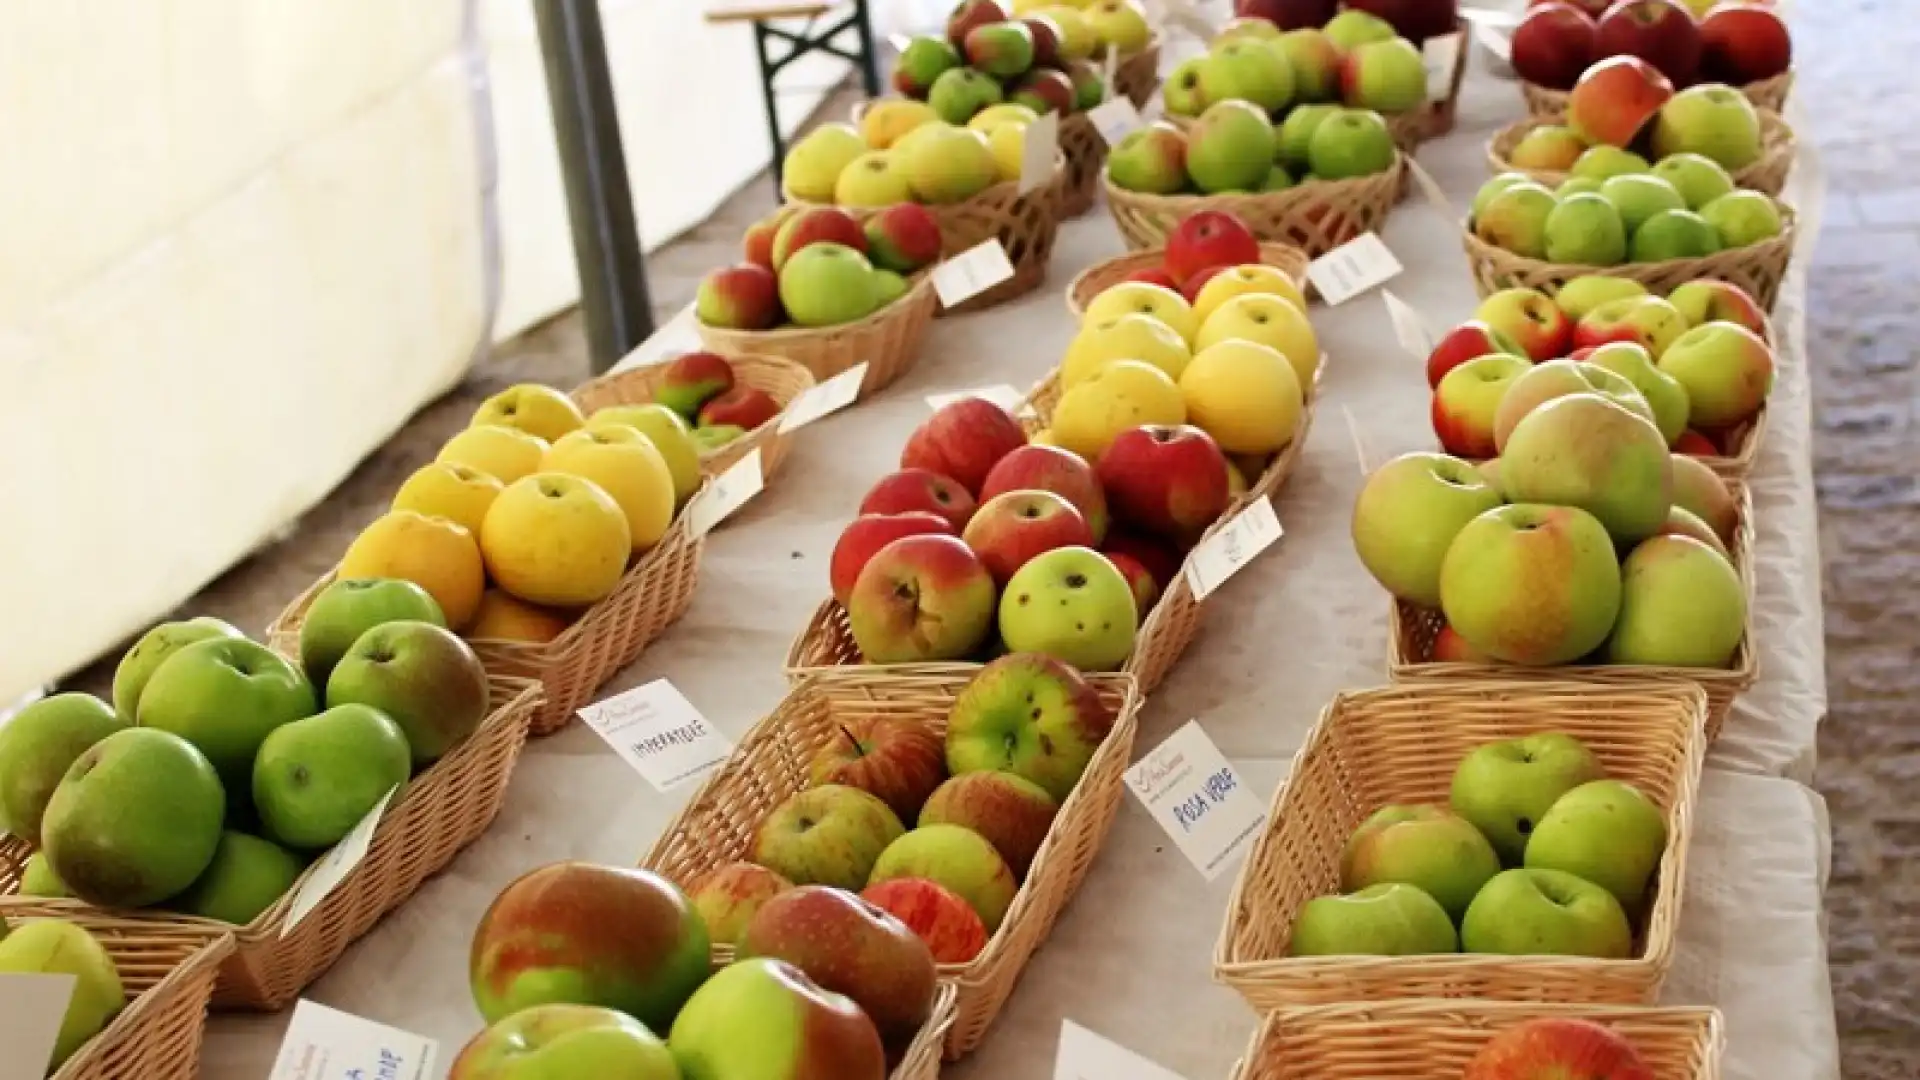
(1478, 840)
(583, 970)
(1698, 165)
(826, 290)
(1485, 1040)
(952, 803)
(1698, 363)
(732, 405)
(1741, 42)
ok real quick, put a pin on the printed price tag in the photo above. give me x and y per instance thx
(327, 1044)
(1002, 395)
(678, 335)
(659, 732)
(1188, 787)
(335, 865)
(1494, 41)
(824, 399)
(971, 273)
(1221, 555)
(32, 1007)
(726, 493)
(1084, 1055)
(1352, 268)
(1408, 326)
(1114, 119)
(1441, 55)
(1430, 187)
(1039, 153)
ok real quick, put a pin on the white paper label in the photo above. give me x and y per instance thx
(1039, 153)
(1352, 268)
(1188, 787)
(1002, 395)
(726, 493)
(899, 42)
(1408, 326)
(971, 273)
(659, 732)
(1219, 557)
(678, 335)
(335, 865)
(1109, 64)
(1084, 1055)
(1441, 54)
(327, 1044)
(1114, 119)
(824, 399)
(1490, 17)
(1186, 16)
(1430, 187)
(1494, 41)
(31, 1009)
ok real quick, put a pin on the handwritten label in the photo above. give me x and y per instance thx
(1495, 42)
(824, 399)
(1408, 326)
(335, 865)
(677, 335)
(327, 1044)
(1039, 153)
(971, 273)
(32, 1007)
(1002, 395)
(1084, 1055)
(1441, 55)
(1352, 268)
(1198, 799)
(726, 493)
(1220, 556)
(658, 732)
(1114, 119)
(1430, 187)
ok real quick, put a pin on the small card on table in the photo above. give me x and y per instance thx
(1220, 556)
(971, 273)
(335, 865)
(824, 399)
(1084, 1055)
(1199, 800)
(726, 493)
(659, 732)
(1352, 268)
(327, 1044)
(31, 1009)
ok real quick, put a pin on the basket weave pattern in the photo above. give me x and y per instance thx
(887, 341)
(1375, 748)
(1768, 175)
(1086, 154)
(923, 1057)
(718, 825)
(783, 380)
(1102, 276)
(1137, 75)
(1316, 216)
(1770, 94)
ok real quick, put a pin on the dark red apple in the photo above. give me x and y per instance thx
(1161, 558)
(920, 489)
(1553, 44)
(1744, 43)
(1209, 238)
(1661, 32)
(1415, 20)
(971, 14)
(1288, 14)
(1593, 8)
(1170, 480)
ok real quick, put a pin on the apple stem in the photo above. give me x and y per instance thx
(851, 741)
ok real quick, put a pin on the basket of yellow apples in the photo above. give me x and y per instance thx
(1727, 144)
(1189, 269)
(1684, 42)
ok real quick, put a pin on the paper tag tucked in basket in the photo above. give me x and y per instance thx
(1441, 54)
(971, 273)
(726, 493)
(824, 399)
(34, 1006)
(659, 732)
(1002, 395)
(1114, 119)
(327, 1044)
(1352, 268)
(1220, 556)
(1408, 326)
(1084, 1055)
(1039, 152)
(1494, 41)
(1190, 790)
(335, 865)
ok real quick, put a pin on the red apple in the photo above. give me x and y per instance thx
(1011, 528)
(1744, 43)
(1415, 20)
(1191, 287)
(1581, 356)
(1615, 98)
(1046, 42)
(817, 225)
(1553, 44)
(919, 599)
(1450, 648)
(869, 533)
(1466, 400)
(1288, 14)
(728, 896)
(1036, 467)
(744, 407)
(1593, 9)
(743, 297)
(1464, 342)
(1209, 238)
(1044, 90)
(1530, 319)
(1161, 557)
(692, 380)
(1706, 300)
(904, 238)
(1661, 32)
(1694, 444)
(971, 14)
(1559, 1047)
(854, 947)
(1650, 322)
(1146, 591)
(758, 245)
(1167, 479)
(964, 440)
(1154, 275)
(949, 925)
(899, 761)
(920, 489)
(1012, 812)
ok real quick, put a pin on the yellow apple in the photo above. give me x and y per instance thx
(1120, 395)
(668, 432)
(450, 490)
(987, 120)
(814, 163)
(1244, 394)
(437, 554)
(1241, 280)
(532, 408)
(872, 179)
(505, 618)
(1145, 298)
(1236, 480)
(1008, 141)
(627, 467)
(1124, 337)
(504, 453)
(1077, 39)
(1270, 320)
(556, 540)
(886, 120)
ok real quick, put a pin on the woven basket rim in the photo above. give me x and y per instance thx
(1777, 140)
(1272, 252)
(1756, 87)
(647, 374)
(768, 342)
(150, 1006)
(1696, 265)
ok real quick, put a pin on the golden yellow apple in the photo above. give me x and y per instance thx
(1241, 280)
(533, 408)
(1120, 395)
(1005, 114)
(886, 120)
(504, 453)
(435, 553)
(503, 617)
(1008, 142)
(556, 540)
(1236, 483)
(1077, 39)
(1123, 337)
(1244, 394)
(1269, 320)
(1145, 298)
(668, 433)
(628, 468)
(450, 490)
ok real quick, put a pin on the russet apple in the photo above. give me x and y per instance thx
(1070, 603)
(827, 835)
(1682, 604)
(1549, 1045)
(919, 489)
(1407, 515)
(1429, 847)
(1506, 787)
(1163, 305)
(1647, 321)
(900, 761)
(816, 225)
(1389, 919)
(1707, 300)
(950, 927)
(1167, 480)
(1012, 812)
(1209, 238)
(1124, 336)
(1553, 44)
(728, 896)
(921, 598)
(565, 1040)
(1661, 32)
(1470, 339)
(866, 535)
(959, 859)
(963, 440)
(1120, 395)
(1604, 831)
(1031, 715)
(1744, 43)
(1468, 399)
(1035, 467)
(1615, 98)
(1726, 369)
(850, 946)
(1532, 584)
(764, 1019)
(1011, 529)
(1587, 451)
(1546, 912)
(1700, 490)
(1556, 379)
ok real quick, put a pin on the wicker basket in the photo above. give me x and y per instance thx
(770, 764)
(1434, 1040)
(1316, 216)
(1102, 276)
(1770, 94)
(437, 814)
(1759, 268)
(1086, 154)
(923, 1056)
(1374, 748)
(1412, 631)
(783, 380)
(888, 340)
(1137, 75)
(1768, 175)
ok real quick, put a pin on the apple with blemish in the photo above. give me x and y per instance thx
(900, 761)
(921, 598)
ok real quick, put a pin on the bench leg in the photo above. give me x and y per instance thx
(768, 69)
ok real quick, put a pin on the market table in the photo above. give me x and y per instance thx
(1131, 956)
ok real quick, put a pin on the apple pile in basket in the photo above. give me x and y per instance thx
(818, 266)
(1357, 60)
(1537, 852)
(59, 947)
(1736, 41)
(1558, 1046)
(1695, 362)
(1039, 60)
(1235, 148)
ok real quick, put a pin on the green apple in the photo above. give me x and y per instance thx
(1742, 218)
(1073, 604)
(1589, 291)
(1295, 135)
(1602, 162)
(716, 436)
(1350, 143)
(153, 648)
(1150, 159)
(1230, 147)
(1386, 76)
(1556, 379)
(553, 1042)
(38, 879)
(226, 695)
(1516, 219)
(958, 94)
(827, 835)
(136, 820)
(57, 947)
(424, 678)
(1278, 179)
(38, 746)
(1699, 179)
(1245, 70)
(942, 165)
(349, 607)
(1578, 185)
(827, 285)
(1352, 28)
(1639, 196)
(1586, 230)
(1674, 234)
(959, 859)
(1662, 392)
(1531, 584)
(1546, 913)
(1590, 452)
(1488, 191)
(1682, 604)
(1031, 715)
(315, 779)
(1390, 919)
(247, 876)
(1426, 846)
(764, 1019)
(1505, 788)
(1548, 148)
(1713, 120)
(1606, 832)
(1727, 370)
(873, 179)
(1407, 515)
(1181, 93)
(925, 59)
(813, 164)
